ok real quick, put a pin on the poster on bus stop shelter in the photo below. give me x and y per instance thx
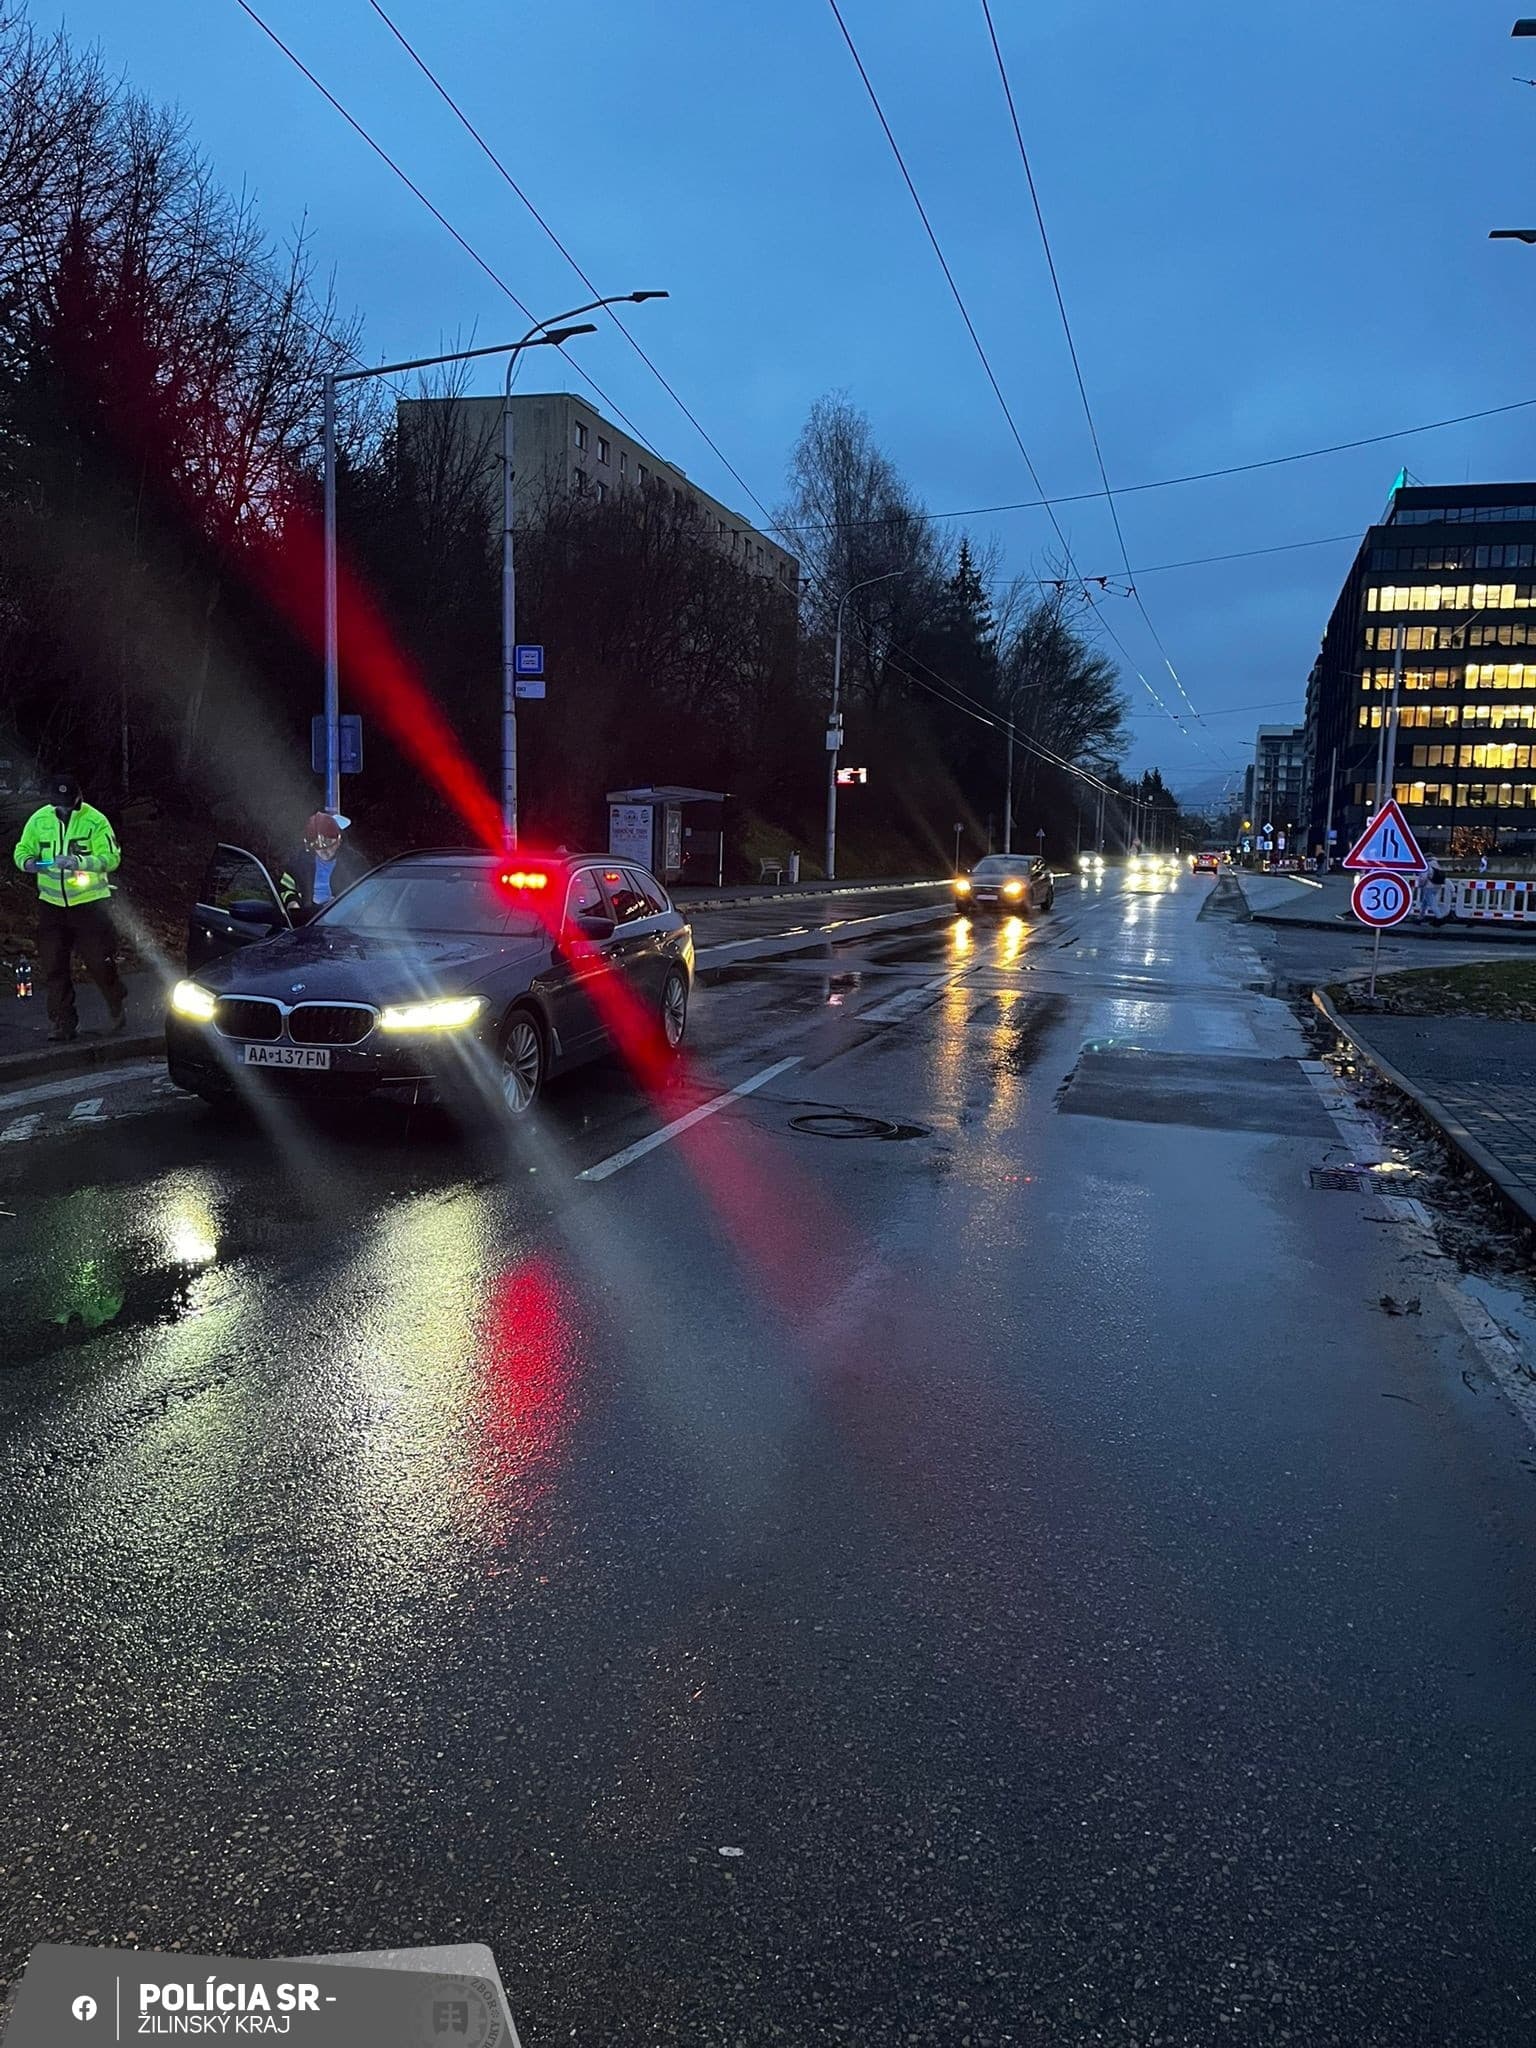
(629, 832)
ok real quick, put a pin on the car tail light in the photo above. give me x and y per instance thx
(525, 878)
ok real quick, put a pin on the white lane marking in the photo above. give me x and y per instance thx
(685, 1123)
(20, 1129)
(50, 1091)
(901, 1005)
(88, 1112)
(1304, 881)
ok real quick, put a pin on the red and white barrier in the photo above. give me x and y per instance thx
(1483, 900)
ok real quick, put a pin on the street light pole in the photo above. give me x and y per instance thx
(834, 724)
(543, 334)
(531, 339)
(332, 688)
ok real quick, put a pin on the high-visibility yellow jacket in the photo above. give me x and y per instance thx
(81, 852)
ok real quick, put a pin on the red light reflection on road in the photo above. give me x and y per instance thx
(527, 1356)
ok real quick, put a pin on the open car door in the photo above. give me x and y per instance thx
(238, 903)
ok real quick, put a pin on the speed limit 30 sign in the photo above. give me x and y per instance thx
(1382, 898)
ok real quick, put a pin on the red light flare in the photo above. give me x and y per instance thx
(373, 670)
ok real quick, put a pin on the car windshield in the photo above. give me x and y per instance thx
(443, 901)
(1000, 866)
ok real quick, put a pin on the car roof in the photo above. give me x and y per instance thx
(430, 855)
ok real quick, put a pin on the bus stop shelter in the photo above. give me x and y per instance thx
(647, 825)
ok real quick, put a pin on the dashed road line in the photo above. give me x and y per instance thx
(89, 1111)
(680, 1124)
(21, 1128)
(904, 1003)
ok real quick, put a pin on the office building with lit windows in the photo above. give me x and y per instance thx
(1445, 583)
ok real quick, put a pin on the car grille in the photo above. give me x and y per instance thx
(248, 1017)
(330, 1023)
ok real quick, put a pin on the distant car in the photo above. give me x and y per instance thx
(1205, 863)
(1090, 863)
(1005, 884)
(466, 977)
(1152, 863)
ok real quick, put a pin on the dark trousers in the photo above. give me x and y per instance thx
(85, 928)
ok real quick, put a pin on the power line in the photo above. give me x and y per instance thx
(440, 217)
(1077, 368)
(459, 114)
(1201, 476)
(1192, 562)
(970, 327)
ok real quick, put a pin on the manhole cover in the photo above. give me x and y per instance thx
(848, 1123)
(1340, 1180)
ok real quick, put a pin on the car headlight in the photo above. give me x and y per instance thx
(1013, 888)
(447, 1013)
(188, 999)
(962, 886)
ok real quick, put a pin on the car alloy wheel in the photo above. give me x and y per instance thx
(674, 1010)
(522, 1064)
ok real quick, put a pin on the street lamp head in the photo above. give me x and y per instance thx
(1512, 234)
(639, 298)
(557, 335)
(1525, 26)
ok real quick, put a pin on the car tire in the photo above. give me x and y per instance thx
(674, 1011)
(524, 1063)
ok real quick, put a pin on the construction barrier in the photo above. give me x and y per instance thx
(1481, 900)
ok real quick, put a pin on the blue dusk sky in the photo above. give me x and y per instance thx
(1270, 226)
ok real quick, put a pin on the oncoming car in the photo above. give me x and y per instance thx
(1004, 884)
(463, 977)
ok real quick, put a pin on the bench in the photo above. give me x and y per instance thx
(770, 871)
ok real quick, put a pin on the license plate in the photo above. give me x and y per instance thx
(287, 1056)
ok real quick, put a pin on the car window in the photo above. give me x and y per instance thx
(651, 890)
(1000, 865)
(629, 901)
(235, 880)
(585, 897)
(442, 900)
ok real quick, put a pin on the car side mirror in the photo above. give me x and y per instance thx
(592, 927)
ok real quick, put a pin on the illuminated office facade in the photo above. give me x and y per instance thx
(1452, 572)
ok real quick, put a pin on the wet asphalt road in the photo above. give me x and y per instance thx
(1022, 1536)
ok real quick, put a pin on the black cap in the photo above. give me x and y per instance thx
(64, 789)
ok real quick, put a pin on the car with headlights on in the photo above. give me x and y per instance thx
(1005, 885)
(464, 977)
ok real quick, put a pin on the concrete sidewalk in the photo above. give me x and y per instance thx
(736, 895)
(1473, 1077)
(24, 1047)
(1321, 903)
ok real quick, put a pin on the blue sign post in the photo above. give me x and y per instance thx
(349, 744)
(527, 659)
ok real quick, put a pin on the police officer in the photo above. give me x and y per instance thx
(71, 849)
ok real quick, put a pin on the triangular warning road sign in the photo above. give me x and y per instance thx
(1387, 843)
